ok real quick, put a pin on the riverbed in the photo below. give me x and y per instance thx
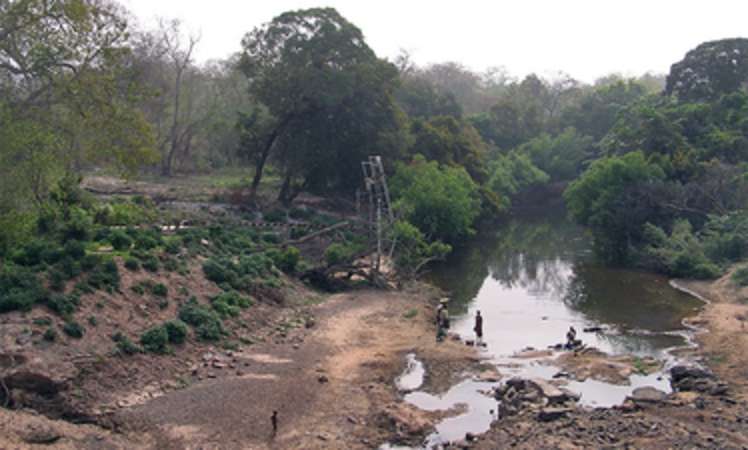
(531, 279)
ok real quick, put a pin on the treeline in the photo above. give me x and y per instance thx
(82, 88)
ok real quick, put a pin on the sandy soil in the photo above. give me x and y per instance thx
(333, 388)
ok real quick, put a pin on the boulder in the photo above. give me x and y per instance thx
(647, 395)
(551, 414)
(549, 391)
(489, 376)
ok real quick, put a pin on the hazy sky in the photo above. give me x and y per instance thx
(584, 38)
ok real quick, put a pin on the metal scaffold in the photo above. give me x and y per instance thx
(380, 211)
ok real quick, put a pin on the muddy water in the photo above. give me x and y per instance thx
(533, 278)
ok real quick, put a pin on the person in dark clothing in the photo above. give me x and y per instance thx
(478, 328)
(274, 422)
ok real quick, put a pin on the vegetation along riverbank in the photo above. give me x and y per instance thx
(187, 247)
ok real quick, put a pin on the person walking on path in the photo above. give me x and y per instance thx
(478, 328)
(274, 423)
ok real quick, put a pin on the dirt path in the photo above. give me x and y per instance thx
(331, 389)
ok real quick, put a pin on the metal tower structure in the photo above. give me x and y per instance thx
(380, 207)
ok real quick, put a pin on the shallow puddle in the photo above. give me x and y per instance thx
(412, 377)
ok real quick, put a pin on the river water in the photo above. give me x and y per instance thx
(532, 278)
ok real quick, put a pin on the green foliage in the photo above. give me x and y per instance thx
(62, 304)
(242, 274)
(132, 264)
(74, 329)
(681, 254)
(337, 253)
(286, 260)
(206, 322)
(50, 335)
(442, 201)
(150, 263)
(275, 215)
(160, 290)
(560, 156)
(511, 174)
(600, 199)
(155, 340)
(124, 345)
(230, 304)
(120, 240)
(20, 289)
(451, 141)
(105, 276)
(740, 276)
(413, 251)
(177, 331)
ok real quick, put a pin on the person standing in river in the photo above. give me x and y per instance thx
(478, 328)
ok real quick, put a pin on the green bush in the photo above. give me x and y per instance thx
(230, 304)
(120, 240)
(74, 329)
(75, 250)
(50, 335)
(124, 345)
(147, 240)
(219, 270)
(155, 340)
(740, 276)
(132, 264)
(286, 260)
(56, 279)
(79, 226)
(106, 277)
(681, 254)
(89, 262)
(177, 331)
(63, 305)
(207, 323)
(160, 290)
(173, 246)
(20, 289)
(337, 253)
(150, 263)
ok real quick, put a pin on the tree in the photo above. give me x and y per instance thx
(511, 174)
(560, 156)
(451, 141)
(611, 198)
(330, 98)
(67, 98)
(441, 201)
(710, 70)
(413, 252)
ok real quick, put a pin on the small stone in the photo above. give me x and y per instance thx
(352, 420)
(211, 375)
(323, 379)
(42, 436)
(551, 414)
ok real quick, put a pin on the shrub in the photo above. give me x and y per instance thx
(218, 270)
(171, 265)
(31, 253)
(56, 279)
(147, 240)
(105, 276)
(20, 289)
(207, 323)
(50, 335)
(62, 304)
(173, 246)
(740, 276)
(150, 263)
(74, 329)
(177, 331)
(337, 253)
(92, 321)
(120, 240)
(271, 237)
(69, 267)
(89, 262)
(79, 226)
(132, 264)
(124, 345)
(75, 250)
(680, 254)
(229, 304)
(155, 340)
(160, 290)
(286, 260)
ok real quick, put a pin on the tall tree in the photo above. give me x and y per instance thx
(330, 97)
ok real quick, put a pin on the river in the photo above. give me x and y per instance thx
(532, 278)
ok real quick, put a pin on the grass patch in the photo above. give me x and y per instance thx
(410, 314)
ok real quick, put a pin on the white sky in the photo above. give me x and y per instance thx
(584, 38)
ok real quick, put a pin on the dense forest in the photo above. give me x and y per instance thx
(655, 166)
